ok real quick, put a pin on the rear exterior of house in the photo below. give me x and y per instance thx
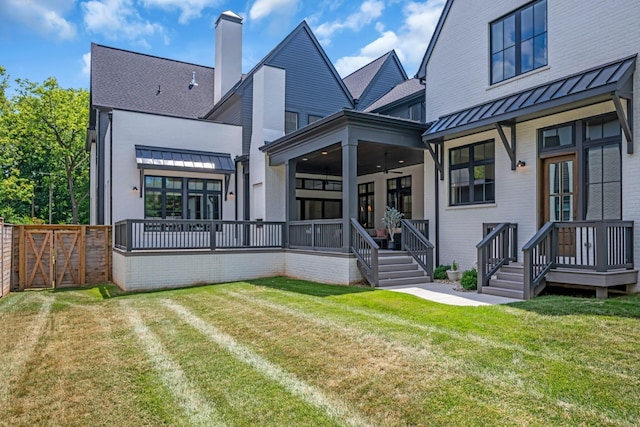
(534, 108)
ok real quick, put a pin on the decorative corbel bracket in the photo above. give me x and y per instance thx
(437, 154)
(509, 146)
(623, 119)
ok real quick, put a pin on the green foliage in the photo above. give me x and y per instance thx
(454, 265)
(42, 149)
(391, 219)
(440, 272)
(469, 279)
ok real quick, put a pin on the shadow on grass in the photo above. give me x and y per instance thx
(106, 290)
(555, 305)
(306, 287)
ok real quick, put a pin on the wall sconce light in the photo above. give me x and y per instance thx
(135, 189)
(231, 195)
(521, 164)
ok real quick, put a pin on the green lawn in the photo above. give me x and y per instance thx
(280, 352)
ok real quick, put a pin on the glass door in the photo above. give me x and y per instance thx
(560, 197)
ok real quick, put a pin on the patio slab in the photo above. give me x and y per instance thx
(445, 294)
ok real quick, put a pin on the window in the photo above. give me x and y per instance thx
(557, 137)
(164, 198)
(519, 42)
(603, 169)
(416, 111)
(318, 184)
(472, 174)
(310, 209)
(314, 118)
(399, 194)
(290, 121)
(366, 211)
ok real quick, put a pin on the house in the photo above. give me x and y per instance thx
(533, 107)
(175, 146)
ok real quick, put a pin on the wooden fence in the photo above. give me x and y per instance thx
(5, 259)
(47, 256)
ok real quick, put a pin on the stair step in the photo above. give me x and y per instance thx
(515, 268)
(396, 267)
(503, 292)
(404, 281)
(513, 277)
(506, 284)
(401, 274)
(384, 254)
(395, 260)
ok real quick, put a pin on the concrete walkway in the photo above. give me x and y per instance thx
(445, 293)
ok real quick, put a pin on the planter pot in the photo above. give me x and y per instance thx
(453, 274)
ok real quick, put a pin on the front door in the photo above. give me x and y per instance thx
(560, 196)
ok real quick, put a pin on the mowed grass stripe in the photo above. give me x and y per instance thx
(12, 367)
(289, 381)
(7, 302)
(544, 352)
(198, 410)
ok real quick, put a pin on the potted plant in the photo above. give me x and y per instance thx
(453, 274)
(391, 221)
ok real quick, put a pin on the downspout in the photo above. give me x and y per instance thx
(111, 168)
(436, 180)
(235, 199)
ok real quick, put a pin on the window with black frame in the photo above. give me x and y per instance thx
(165, 198)
(519, 42)
(399, 194)
(603, 168)
(366, 211)
(290, 121)
(472, 174)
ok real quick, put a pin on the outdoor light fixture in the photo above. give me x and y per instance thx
(135, 189)
(521, 164)
(324, 153)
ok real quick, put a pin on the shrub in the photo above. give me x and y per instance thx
(469, 279)
(440, 272)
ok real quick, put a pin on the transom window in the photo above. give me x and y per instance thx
(519, 42)
(472, 174)
(318, 184)
(165, 198)
(557, 137)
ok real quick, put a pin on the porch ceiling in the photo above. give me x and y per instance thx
(371, 159)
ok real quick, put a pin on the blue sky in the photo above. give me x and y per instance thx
(42, 38)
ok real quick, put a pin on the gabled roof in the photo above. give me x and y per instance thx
(360, 80)
(302, 27)
(126, 80)
(403, 91)
(586, 87)
(434, 38)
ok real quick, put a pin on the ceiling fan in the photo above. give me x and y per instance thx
(386, 169)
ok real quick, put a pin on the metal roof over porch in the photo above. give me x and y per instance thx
(183, 160)
(590, 86)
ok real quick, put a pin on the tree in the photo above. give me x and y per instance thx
(46, 128)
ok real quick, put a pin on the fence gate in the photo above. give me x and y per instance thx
(56, 256)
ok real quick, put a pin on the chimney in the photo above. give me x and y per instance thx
(228, 56)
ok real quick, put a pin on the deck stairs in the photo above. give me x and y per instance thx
(507, 282)
(398, 268)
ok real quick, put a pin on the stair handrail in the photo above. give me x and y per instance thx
(539, 255)
(496, 244)
(365, 250)
(415, 243)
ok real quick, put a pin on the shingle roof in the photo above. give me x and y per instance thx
(358, 81)
(401, 91)
(127, 80)
(599, 81)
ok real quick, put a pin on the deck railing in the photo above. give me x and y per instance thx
(145, 234)
(512, 232)
(494, 251)
(366, 252)
(325, 234)
(416, 243)
(590, 245)
(421, 225)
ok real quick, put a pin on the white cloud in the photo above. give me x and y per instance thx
(369, 10)
(263, 8)
(409, 41)
(189, 9)
(118, 19)
(46, 17)
(86, 64)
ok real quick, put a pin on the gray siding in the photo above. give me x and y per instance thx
(246, 117)
(311, 87)
(232, 114)
(387, 78)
